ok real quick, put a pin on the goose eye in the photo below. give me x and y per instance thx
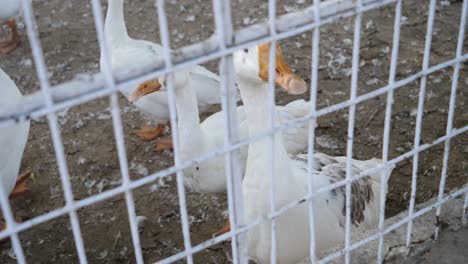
(246, 50)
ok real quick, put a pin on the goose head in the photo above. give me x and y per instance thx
(252, 66)
(180, 79)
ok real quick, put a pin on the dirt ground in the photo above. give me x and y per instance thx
(69, 41)
(450, 249)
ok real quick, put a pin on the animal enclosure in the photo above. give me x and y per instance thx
(389, 81)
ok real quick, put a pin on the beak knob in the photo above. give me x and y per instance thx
(296, 86)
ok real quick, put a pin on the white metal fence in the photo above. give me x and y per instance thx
(85, 88)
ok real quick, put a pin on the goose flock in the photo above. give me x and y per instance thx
(196, 88)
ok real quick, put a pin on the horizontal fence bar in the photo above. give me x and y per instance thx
(88, 87)
(5, 120)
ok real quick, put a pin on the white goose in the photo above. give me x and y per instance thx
(292, 228)
(12, 141)
(8, 11)
(125, 51)
(198, 138)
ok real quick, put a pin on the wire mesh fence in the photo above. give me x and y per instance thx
(223, 45)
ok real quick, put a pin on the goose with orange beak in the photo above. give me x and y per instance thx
(125, 51)
(198, 138)
(292, 175)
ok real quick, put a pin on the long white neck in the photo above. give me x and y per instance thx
(114, 27)
(188, 121)
(254, 96)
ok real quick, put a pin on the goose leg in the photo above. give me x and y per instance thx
(10, 45)
(226, 228)
(3, 226)
(148, 133)
(163, 143)
(19, 189)
(21, 186)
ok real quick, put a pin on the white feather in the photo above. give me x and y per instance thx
(12, 138)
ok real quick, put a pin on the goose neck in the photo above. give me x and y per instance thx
(115, 28)
(188, 119)
(255, 98)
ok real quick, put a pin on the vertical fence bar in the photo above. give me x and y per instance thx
(118, 129)
(417, 136)
(271, 121)
(312, 122)
(453, 94)
(465, 211)
(41, 70)
(223, 23)
(234, 177)
(352, 112)
(165, 40)
(271, 98)
(388, 118)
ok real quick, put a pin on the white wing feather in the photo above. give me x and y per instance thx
(12, 138)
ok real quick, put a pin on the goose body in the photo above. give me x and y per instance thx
(210, 176)
(291, 183)
(12, 138)
(125, 52)
(10, 8)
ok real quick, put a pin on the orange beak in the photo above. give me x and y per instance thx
(284, 77)
(144, 89)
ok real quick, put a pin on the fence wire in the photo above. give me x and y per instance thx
(223, 44)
